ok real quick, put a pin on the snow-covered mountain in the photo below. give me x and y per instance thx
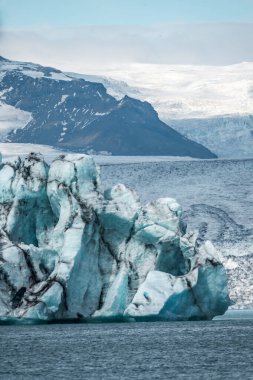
(46, 106)
(212, 105)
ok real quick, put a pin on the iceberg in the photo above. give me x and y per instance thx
(67, 250)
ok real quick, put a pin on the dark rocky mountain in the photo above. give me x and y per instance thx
(71, 113)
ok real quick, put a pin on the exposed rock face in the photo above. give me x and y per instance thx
(68, 251)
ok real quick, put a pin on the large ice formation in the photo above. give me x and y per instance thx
(69, 251)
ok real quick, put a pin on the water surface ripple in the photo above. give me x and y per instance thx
(178, 350)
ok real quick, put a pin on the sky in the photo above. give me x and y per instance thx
(81, 35)
(65, 13)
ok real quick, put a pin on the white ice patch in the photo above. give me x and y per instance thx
(11, 150)
(5, 91)
(12, 118)
(101, 113)
(10, 66)
(101, 97)
(33, 74)
(2, 74)
(63, 98)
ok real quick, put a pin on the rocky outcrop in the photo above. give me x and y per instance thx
(69, 251)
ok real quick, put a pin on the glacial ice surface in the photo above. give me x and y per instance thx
(67, 250)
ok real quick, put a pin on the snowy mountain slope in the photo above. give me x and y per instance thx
(72, 113)
(202, 102)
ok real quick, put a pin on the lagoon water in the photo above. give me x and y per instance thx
(220, 349)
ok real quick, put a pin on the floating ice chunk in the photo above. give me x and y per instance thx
(67, 250)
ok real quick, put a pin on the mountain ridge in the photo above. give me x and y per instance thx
(75, 114)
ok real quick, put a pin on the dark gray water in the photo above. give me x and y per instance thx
(178, 350)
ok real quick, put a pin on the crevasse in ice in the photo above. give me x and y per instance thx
(69, 251)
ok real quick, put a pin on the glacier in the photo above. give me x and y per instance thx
(211, 105)
(69, 250)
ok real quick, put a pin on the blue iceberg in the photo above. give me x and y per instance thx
(67, 250)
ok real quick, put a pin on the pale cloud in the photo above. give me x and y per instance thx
(95, 47)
